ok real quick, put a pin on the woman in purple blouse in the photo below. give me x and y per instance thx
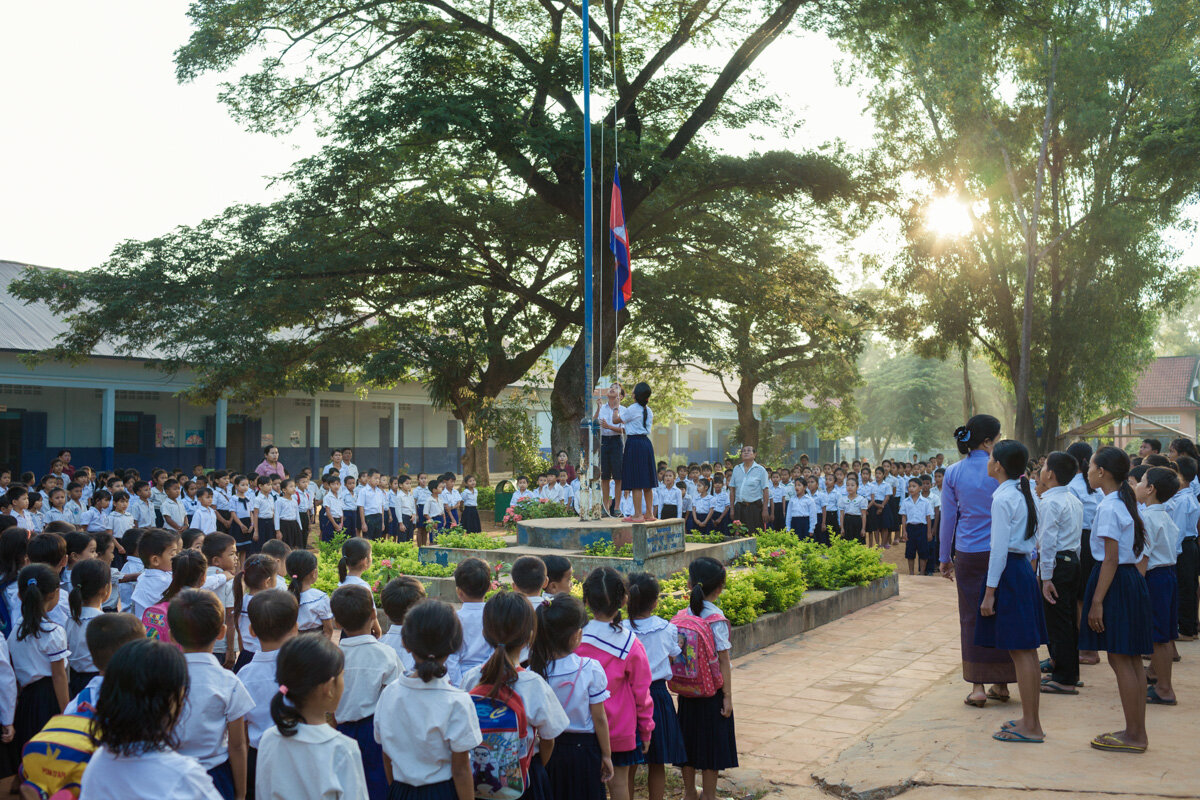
(966, 536)
(270, 464)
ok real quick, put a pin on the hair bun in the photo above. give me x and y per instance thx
(962, 434)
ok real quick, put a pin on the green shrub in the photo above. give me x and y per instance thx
(741, 602)
(606, 548)
(487, 498)
(705, 538)
(782, 586)
(388, 559)
(458, 537)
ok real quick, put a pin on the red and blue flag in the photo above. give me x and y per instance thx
(618, 242)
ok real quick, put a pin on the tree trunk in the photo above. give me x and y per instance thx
(475, 460)
(968, 391)
(748, 424)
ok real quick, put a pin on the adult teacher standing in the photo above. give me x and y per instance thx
(967, 532)
(270, 465)
(748, 491)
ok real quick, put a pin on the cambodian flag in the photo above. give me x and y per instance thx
(618, 242)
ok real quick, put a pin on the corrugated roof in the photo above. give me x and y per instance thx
(1169, 382)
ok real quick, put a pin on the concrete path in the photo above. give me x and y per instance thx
(871, 706)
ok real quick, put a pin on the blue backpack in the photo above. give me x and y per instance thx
(500, 764)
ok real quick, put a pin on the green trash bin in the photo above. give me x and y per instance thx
(504, 494)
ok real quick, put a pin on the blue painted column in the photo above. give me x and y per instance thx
(108, 427)
(396, 443)
(220, 430)
(314, 437)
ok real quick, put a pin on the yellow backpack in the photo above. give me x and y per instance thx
(53, 761)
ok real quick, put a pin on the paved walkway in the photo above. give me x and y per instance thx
(871, 706)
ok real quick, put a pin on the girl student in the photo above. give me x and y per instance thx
(426, 726)
(470, 506)
(257, 575)
(302, 755)
(287, 516)
(244, 523)
(1156, 487)
(91, 586)
(582, 760)
(707, 722)
(1116, 600)
(391, 509)
(629, 707)
(800, 510)
(264, 501)
(852, 510)
(1011, 615)
(189, 570)
(96, 517)
(700, 517)
(433, 514)
(508, 627)
(661, 642)
(356, 559)
(39, 654)
(637, 466)
(315, 614)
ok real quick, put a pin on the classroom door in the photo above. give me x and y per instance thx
(235, 444)
(10, 440)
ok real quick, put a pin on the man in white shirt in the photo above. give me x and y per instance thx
(612, 450)
(335, 463)
(749, 493)
(1059, 529)
(348, 466)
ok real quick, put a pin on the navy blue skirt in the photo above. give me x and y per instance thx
(363, 732)
(637, 468)
(1163, 586)
(1019, 622)
(629, 758)
(1126, 614)
(889, 520)
(430, 791)
(36, 704)
(222, 778)
(470, 519)
(574, 768)
(76, 681)
(800, 526)
(708, 737)
(666, 741)
(243, 659)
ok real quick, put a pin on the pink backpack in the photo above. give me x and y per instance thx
(696, 672)
(155, 620)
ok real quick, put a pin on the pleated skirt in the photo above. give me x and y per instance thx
(852, 527)
(889, 520)
(1127, 622)
(637, 468)
(1163, 585)
(431, 791)
(980, 664)
(708, 737)
(36, 704)
(574, 768)
(539, 782)
(292, 535)
(363, 732)
(76, 681)
(1019, 622)
(666, 741)
(470, 519)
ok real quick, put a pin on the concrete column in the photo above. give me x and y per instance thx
(108, 427)
(314, 435)
(396, 443)
(221, 430)
(712, 440)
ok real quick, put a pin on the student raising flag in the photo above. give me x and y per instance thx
(618, 242)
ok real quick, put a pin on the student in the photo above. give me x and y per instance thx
(1090, 498)
(96, 517)
(106, 549)
(287, 516)
(50, 549)
(204, 518)
(140, 702)
(1185, 511)
(79, 547)
(629, 707)
(174, 513)
(582, 759)
(1060, 521)
(916, 522)
(1158, 485)
(189, 499)
(778, 494)
(264, 502)
(57, 512)
(852, 510)
(272, 617)
(39, 652)
(278, 550)
(370, 510)
(244, 522)
(670, 498)
(434, 515)
(558, 574)
(1011, 610)
(398, 596)
(407, 508)
(529, 578)
(800, 510)
(304, 505)
(105, 634)
(222, 500)
(220, 551)
(707, 722)
(508, 627)
(931, 493)
(355, 560)
(637, 468)
(1116, 599)
(661, 642)
(722, 513)
(156, 549)
(257, 575)
(700, 518)
(188, 571)
(522, 493)
(91, 584)
(472, 581)
(132, 569)
(426, 727)
(370, 666)
(315, 614)
(349, 501)
(470, 506)
(212, 726)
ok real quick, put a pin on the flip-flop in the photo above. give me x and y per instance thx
(1052, 687)
(975, 703)
(1150, 680)
(1110, 742)
(1046, 665)
(999, 698)
(1012, 723)
(1010, 735)
(1153, 699)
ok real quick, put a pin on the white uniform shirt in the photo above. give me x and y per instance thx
(81, 657)
(215, 698)
(265, 505)
(1184, 511)
(1009, 515)
(1060, 527)
(670, 497)
(250, 642)
(612, 416)
(317, 762)
(475, 650)
(33, 655)
(801, 506)
(243, 505)
(1161, 535)
(259, 679)
(370, 666)
(93, 521)
(407, 505)
(393, 638)
(332, 503)
(701, 506)
(173, 509)
(149, 590)
(749, 484)
(520, 496)
(142, 511)
(631, 417)
(225, 595)
(1090, 500)
(8, 686)
(853, 507)
(470, 497)
(661, 641)
(917, 512)
(579, 683)
(205, 520)
(149, 775)
(420, 725)
(371, 499)
(118, 523)
(1113, 521)
(314, 610)
(286, 509)
(354, 580)
(133, 566)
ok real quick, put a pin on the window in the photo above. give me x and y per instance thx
(127, 432)
(1163, 419)
(697, 440)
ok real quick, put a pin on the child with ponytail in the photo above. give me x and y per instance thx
(356, 559)
(39, 652)
(257, 575)
(629, 707)
(302, 755)
(426, 726)
(1011, 615)
(315, 614)
(1116, 600)
(508, 627)
(189, 570)
(91, 584)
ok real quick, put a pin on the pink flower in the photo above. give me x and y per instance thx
(545, 500)
(375, 586)
(386, 562)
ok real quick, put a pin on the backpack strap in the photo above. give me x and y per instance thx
(574, 683)
(506, 695)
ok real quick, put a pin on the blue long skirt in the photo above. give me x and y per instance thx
(666, 740)
(637, 468)
(1019, 622)
(708, 737)
(1127, 620)
(574, 768)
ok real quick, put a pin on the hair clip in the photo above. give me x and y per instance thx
(283, 690)
(295, 577)
(31, 582)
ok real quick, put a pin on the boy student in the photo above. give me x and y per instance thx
(472, 580)
(370, 509)
(398, 596)
(155, 549)
(220, 550)
(1184, 511)
(916, 521)
(370, 666)
(204, 519)
(119, 519)
(1059, 530)
(522, 493)
(264, 503)
(529, 578)
(330, 515)
(272, 617)
(51, 549)
(140, 506)
(212, 725)
(930, 493)
(105, 634)
(558, 574)
(174, 513)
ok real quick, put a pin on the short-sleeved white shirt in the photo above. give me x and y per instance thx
(317, 762)
(1161, 533)
(8, 686)
(314, 610)
(579, 683)
(149, 590)
(33, 655)
(661, 641)
(393, 638)
(250, 642)
(215, 698)
(543, 712)
(149, 775)
(1113, 522)
(259, 679)
(475, 650)
(720, 629)
(420, 725)
(81, 657)
(370, 666)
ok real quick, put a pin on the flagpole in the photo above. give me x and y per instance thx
(588, 287)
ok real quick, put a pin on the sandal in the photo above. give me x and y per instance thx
(1109, 741)
(976, 703)
(1153, 698)
(1010, 735)
(999, 698)
(1047, 665)
(1052, 687)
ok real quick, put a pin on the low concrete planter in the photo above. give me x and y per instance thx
(817, 608)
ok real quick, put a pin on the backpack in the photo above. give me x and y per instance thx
(155, 620)
(500, 764)
(695, 671)
(53, 761)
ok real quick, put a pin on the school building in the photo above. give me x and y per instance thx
(1166, 406)
(119, 412)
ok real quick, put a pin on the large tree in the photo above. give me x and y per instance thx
(1053, 125)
